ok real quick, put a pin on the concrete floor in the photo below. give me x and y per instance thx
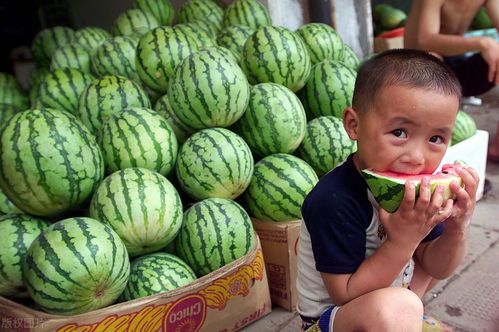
(468, 301)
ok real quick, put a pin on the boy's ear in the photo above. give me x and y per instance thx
(351, 122)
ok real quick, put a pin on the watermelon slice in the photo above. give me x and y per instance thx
(388, 187)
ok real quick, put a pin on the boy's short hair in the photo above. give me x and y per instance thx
(411, 68)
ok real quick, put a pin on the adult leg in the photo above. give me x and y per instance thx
(392, 309)
(493, 153)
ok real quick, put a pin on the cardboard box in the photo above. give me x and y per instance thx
(280, 248)
(473, 151)
(222, 301)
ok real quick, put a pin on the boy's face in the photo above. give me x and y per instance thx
(406, 131)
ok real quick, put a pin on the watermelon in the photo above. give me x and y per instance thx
(274, 121)
(156, 273)
(6, 206)
(329, 89)
(71, 56)
(18, 232)
(214, 232)
(388, 187)
(202, 37)
(210, 28)
(13, 96)
(350, 58)
(464, 127)
(158, 53)
(138, 137)
(132, 21)
(233, 38)
(204, 10)
(182, 131)
(208, 89)
(322, 42)
(37, 75)
(9, 80)
(91, 37)
(47, 41)
(326, 144)
(141, 205)
(6, 112)
(116, 56)
(278, 187)
(251, 13)
(49, 162)
(75, 266)
(276, 54)
(62, 88)
(34, 96)
(214, 162)
(162, 10)
(106, 96)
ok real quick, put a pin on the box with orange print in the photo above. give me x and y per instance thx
(225, 300)
(280, 249)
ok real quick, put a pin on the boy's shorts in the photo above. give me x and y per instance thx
(322, 324)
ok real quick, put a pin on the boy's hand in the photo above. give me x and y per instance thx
(465, 200)
(414, 219)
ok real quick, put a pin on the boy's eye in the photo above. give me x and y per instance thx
(399, 133)
(436, 139)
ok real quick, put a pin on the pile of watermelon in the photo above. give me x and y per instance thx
(135, 160)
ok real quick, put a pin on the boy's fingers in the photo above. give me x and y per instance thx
(424, 194)
(444, 212)
(409, 196)
(470, 180)
(437, 199)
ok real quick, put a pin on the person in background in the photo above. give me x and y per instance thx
(438, 26)
(361, 268)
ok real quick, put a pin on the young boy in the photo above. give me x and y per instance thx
(361, 268)
(439, 25)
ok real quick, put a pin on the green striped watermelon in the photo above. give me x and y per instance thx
(251, 13)
(326, 144)
(214, 162)
(158, 53)
(34, 96)
(210, 28)
(49, 162)
(233, 38)
(13, 96)
(91, 37)
(62, 88)
(47, 41)
(6, 206)
(276, 54)
(279, 185)
(106, 96)
(203, 10)
(75, 266)
(215, 232)
(208, 89)
(202, 37)
(274, 120)
(37, 75)
(141, 205)
(138, 137)
(322, 41)
(329, 89)
(9, 80)
(6, 112)
(182, 132)
(71, 56)
(116, 56)
(350, 59)
(156, 273)
(464, 127)
(132, 21)
(162, 10)
(18, 232)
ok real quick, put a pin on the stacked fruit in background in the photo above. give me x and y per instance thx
(386, 18)
(135, 160)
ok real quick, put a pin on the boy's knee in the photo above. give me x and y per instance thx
(401, 303)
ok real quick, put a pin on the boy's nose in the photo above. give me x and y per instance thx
(414, 157)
